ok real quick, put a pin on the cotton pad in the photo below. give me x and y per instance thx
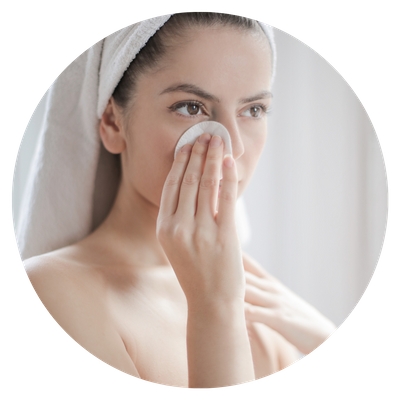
(211, 127)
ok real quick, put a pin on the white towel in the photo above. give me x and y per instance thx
(73, 179)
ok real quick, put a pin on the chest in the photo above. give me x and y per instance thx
(155, 337)
(156, 341)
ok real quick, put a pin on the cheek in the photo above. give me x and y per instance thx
(247, 163)
(258, 150)
(151, 151)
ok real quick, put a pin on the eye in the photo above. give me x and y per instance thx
(256, 111)
(189, 108)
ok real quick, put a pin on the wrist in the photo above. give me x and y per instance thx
(217, 310)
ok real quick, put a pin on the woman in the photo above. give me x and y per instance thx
(158, 290)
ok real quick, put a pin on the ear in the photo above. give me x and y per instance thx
(111, 129)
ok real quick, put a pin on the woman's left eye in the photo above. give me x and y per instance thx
(255, 111)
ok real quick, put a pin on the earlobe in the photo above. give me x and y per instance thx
(111, 129)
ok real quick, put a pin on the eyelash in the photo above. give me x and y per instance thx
(175, 107)
(187, 103)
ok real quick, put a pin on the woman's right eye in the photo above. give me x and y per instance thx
(189, 109)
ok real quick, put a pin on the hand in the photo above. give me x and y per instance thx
(268, 301)
(201, 244)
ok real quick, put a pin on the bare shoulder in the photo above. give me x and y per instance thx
(60, 283)
(57, 276)
(75, 295)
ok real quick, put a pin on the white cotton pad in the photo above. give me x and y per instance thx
(211, 127)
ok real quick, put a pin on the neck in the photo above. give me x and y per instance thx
(130, 228)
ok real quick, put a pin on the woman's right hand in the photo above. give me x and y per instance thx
(201, 244)
(204, 251)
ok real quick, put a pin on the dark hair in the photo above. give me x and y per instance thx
(148, 58)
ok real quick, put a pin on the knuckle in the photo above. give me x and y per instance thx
(208, 183)
(227, 197)
(181, 158)
(251, 309)
(213, 155)
(190, 179)
(199, 150)
(223, 240)
(172, 180)
(230, 178)
(202, 238)
(163, 231)
(180, 234)
(171, 231)
(161, 236)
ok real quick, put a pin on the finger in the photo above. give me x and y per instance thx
(170, 193)
(260, 283)
(190, 183)
(228, 194)
(259, 297)
(209, 183)
(251, 265)
(253, 280)
(263, 315)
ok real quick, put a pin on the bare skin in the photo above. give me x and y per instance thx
(123, 292)
(132, 316)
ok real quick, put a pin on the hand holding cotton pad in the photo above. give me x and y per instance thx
(211, 127)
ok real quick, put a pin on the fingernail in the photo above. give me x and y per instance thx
(228, 160)
(215, 141)
(204, 138)
(186, 148)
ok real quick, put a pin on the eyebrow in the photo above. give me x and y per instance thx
(190, 88)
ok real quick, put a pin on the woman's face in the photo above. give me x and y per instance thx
(218, 74)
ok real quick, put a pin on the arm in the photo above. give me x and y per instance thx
(219, 352)
(203, 248)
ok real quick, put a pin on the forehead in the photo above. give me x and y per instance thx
(219, 46)
(219, 57)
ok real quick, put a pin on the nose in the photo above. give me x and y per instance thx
(230, 124)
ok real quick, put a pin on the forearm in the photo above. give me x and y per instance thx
(218, 346)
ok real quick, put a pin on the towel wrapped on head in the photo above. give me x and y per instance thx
(73, 179)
